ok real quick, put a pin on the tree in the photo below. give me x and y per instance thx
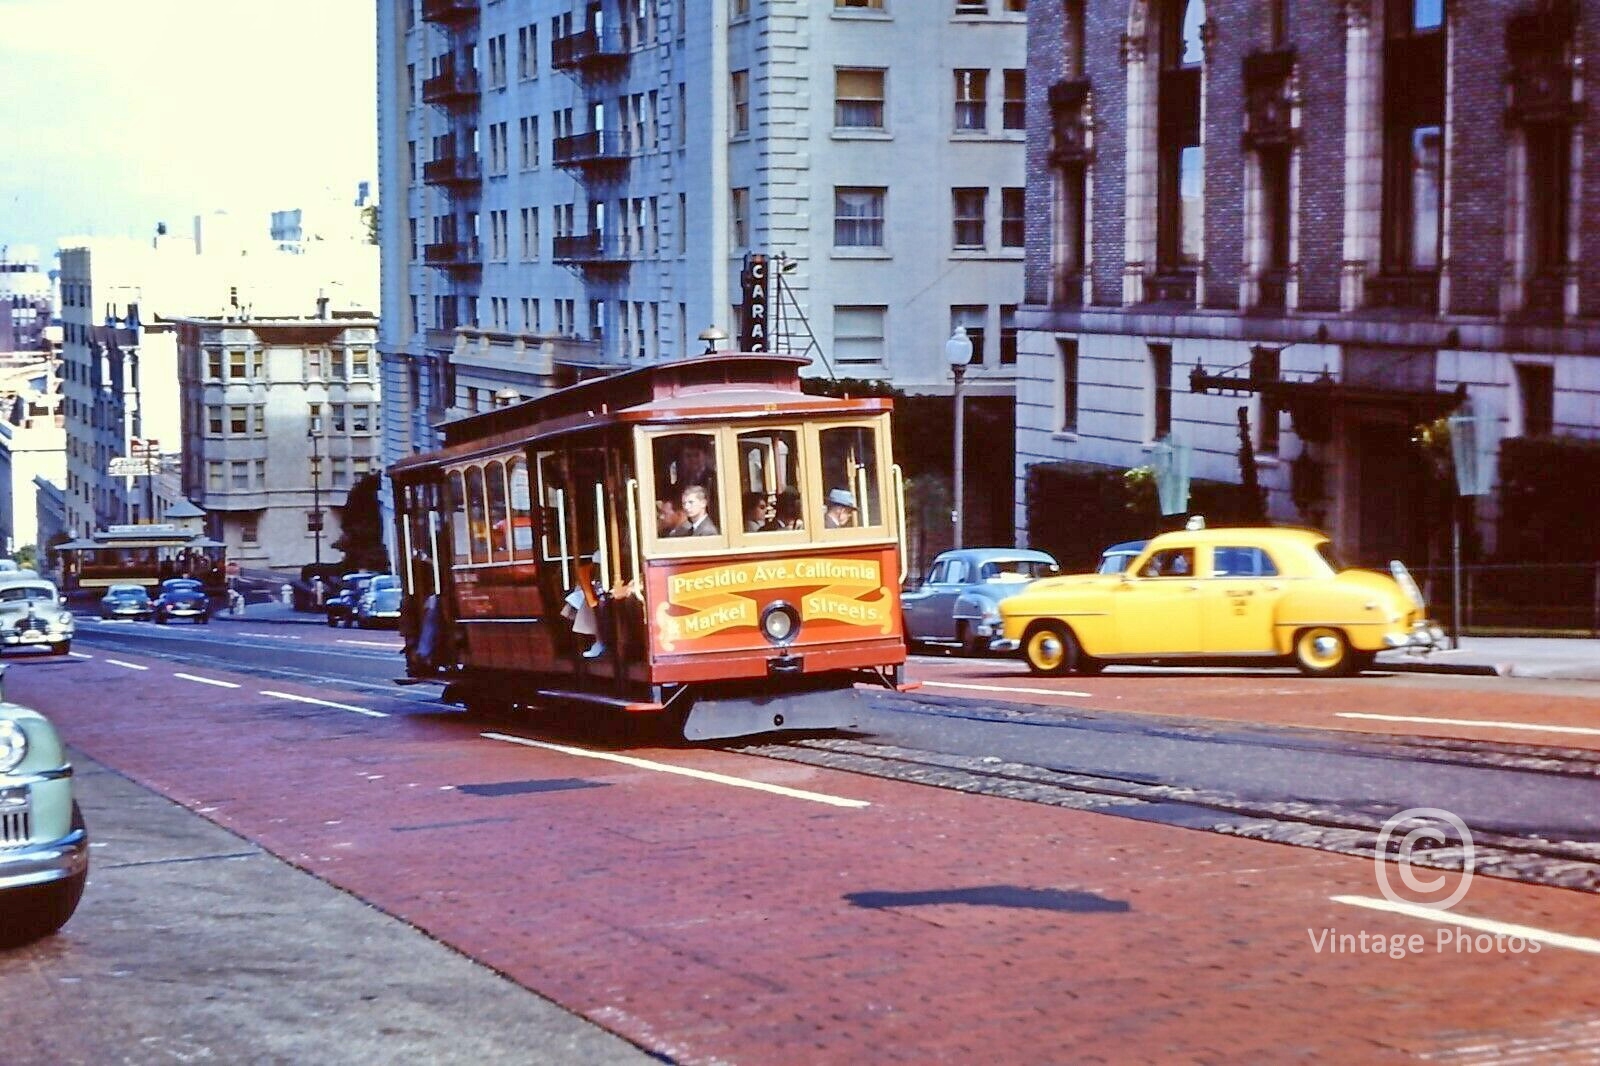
(27, 556)
(361, 533)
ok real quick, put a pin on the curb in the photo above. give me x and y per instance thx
(1424, 667)
(259, 620)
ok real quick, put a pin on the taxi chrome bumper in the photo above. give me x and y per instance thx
(41, 863)
(1422, 637)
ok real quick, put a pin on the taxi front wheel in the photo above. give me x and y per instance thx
(1322, 651)
(1051, 650)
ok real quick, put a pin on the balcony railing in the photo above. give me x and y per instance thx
(454, 255)
(455, 171)
(587, 248)
(1404, 292)
(448, 12)
(586, 48)
(451, 86)
(594, 148)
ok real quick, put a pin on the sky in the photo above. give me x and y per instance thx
(119, 114)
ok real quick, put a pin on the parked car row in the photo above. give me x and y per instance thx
(366, 600)
(1229, 596)
(179, 599)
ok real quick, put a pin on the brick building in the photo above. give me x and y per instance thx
(1347, 217)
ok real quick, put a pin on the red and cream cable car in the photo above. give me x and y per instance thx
(697, 539)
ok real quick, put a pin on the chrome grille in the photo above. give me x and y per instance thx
(16, 827)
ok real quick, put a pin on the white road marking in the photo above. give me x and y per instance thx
(79, 655)
(667, 768)
(273, 636)
(206, 680)
(326, 703)
(1006, 688)
(1588, 945)
(1530, 727)
(130, 666)
(390, 645)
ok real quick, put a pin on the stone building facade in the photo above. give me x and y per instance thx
(1347, 217)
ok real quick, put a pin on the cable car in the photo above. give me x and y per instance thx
(699, 540)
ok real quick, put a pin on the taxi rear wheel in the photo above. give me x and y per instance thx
(1322, 651)
(1051, 650)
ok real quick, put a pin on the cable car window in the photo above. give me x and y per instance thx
(850, 477)
(477, 516)
(521, 500)
(456, 504)
(552, 467)
(499, 520)
(687, 503)
(769, 475)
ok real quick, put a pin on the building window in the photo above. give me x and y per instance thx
(258, 419)
(213, 364)
(238, 421)
(1159, 412)
(1014, 111)
(214, 477)
(1013, 222)
(1008, 334)
(972, 100)
(1536, 396)
(250, 530)
(1265, 366)
(214, 421)
(1413, 136)
(968, 207)
(527, 51)
(739, 204)
(974, 317)
(261, 473)
(1550, 184)
(858, 336)
(241, 474)
(360, 418)
(360, 364)
(870, 5)
(236, 364)
(314, 364)
(314, 418)
(338, 473)
(858, 217)
(1067, 393)
(858, 98)
(739, 89)
(1180, 181)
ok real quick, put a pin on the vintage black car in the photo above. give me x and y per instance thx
(958, 604)
(340, 608)
(126, 601)
(182, 599)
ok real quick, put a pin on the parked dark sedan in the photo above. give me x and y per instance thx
(182, 599)
(1115, 559)
(959, 604)
(126, 601)
(340, 608)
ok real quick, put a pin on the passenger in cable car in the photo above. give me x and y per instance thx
(841, 509)
(760, 514)
(787, 514)
(669, 514)
(697, 520)
(695, 466)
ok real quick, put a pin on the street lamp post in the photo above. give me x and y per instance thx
(316, 497)
(958, 351)
(711, 335)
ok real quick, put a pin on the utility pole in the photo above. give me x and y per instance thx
(316, 497)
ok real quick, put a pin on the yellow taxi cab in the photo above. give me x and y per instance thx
(1234, 595)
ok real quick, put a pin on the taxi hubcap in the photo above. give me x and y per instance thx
(1320, 647)
(1047, 651)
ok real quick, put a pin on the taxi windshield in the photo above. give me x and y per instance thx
(1006, 570)
(26, 592)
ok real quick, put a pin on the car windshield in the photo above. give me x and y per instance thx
(1004, 570)
(17, 593)
(387, 581)
(180, 584)
(1115, 562)
(125, 592)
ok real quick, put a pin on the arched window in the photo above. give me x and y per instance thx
(1180, 222)
(477, 516)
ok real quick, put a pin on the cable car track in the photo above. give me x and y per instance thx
(1344, 829)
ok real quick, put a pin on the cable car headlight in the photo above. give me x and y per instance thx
(13, 746)
(780, 623)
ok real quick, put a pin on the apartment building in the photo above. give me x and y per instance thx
(572, 188)
(25, 304)
(280, 417)
(32, 446)
(1347, 219)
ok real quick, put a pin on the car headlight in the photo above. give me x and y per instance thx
(13, 746)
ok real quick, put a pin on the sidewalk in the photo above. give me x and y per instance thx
(274, 613)
(1566, 658)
